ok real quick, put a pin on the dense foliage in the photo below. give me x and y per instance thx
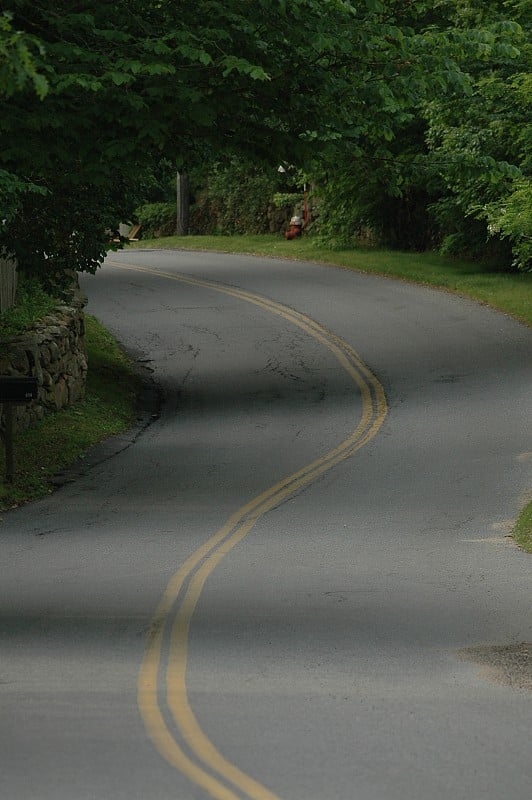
(392, 108)
(454, 171)
(481, 143)
(237, 197)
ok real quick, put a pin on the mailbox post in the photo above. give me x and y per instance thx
(14, 390)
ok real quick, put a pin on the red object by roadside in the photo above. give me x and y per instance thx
(295, 228)
(293, 232)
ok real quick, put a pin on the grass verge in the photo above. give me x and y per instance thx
(522, 532)
(109, 407)
(506, 291)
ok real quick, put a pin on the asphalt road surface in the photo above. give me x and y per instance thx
(296, 583)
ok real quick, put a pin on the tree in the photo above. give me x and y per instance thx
(17, 69)
(481, 144)
(17, 59)
(435, 172)
(311, 81)
(128, 83)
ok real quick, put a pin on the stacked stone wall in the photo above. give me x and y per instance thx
(53, 351)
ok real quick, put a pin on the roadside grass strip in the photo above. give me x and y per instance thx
(522, 532)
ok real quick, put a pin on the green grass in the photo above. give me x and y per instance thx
(33, 302)
(505, 291)
(522, 531)
(109, 407)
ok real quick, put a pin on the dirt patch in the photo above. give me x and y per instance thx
(510, 665)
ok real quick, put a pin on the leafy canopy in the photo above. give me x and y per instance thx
(95, 94)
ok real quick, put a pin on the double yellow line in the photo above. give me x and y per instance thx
(162, 691)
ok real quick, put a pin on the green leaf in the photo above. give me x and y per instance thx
(120, 78)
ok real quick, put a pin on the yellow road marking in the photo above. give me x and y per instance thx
(200, 565)
(160, 735)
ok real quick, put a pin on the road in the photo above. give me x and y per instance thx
(297, 582)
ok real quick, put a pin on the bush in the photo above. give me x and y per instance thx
(157, 219)
(240, 198)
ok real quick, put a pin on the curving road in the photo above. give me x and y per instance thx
(296, 583)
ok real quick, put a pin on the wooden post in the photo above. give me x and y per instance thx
(8, 282)
(14, 390)
(182, 203)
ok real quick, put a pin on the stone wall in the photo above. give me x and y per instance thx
(53, 351)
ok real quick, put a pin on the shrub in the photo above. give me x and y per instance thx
(239, 198)
(157, 219)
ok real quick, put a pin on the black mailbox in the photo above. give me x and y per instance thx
(14, 389)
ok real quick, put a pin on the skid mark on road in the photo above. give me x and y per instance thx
(162, 690)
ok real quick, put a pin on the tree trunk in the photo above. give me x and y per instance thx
(182, 203)
(8, 283)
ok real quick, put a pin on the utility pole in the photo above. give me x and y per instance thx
(182, 203)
